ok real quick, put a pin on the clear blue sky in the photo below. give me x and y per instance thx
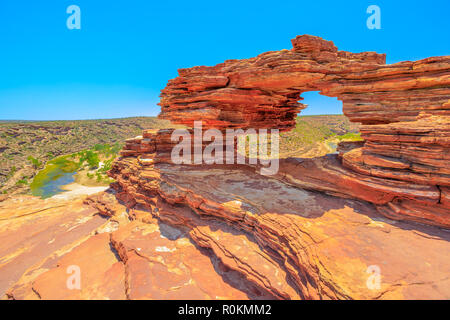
(126, 51)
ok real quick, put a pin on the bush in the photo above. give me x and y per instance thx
(35, 162)
(50, 155)
(12, 172)
(90, 157)
(116, 148)
(106, 166)
(22, 182)
(351, 136)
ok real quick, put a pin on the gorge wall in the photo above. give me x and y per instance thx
(312, 230)
(403, 167)
(370, 222)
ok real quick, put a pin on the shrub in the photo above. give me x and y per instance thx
(90, 157)
(351, 136)
(12, 172)
(50, 155)
(106, 166)
(22, 182)
(35, 162)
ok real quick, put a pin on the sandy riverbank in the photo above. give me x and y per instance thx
(75, 190)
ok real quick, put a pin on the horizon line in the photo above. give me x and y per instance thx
(130, 117)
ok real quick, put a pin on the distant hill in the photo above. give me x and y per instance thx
(25, 146)
(44, 140)
(306, 139)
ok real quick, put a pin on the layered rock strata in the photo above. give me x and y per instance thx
(404, 109)
(399, 170)
(228, 233)
(287, 242)
(264, 91)
(119, 254)
(313, 230)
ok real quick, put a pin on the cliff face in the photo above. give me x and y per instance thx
(263, 92)
(403, 167)
(288, 242)
(285, 240)
(317, 229)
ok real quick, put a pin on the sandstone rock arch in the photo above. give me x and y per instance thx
(263, 91)
(301, 244)
(404, 109)
(402, 166)
(227, 232)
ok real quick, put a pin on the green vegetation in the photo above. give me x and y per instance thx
(88, 162)
(22, 182)
(50, 155)
(305, 133)
(35, 162)
(28, 145)
(12, 171)
(350, 136)
(313, 136)
(88, 147)
(90, 157)
(310, 131)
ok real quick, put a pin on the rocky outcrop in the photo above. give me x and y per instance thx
(35, 233)
(288, 242)
(263, 92)
(45, 241)
(316, 223)
(320, 228)
(404, 109)
(226, 233)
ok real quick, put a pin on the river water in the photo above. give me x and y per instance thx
(52, 184)
(333, 146)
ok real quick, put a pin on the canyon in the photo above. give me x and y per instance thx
(317, 229)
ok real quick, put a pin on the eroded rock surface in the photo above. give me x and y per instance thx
(222, 233)
(289, 242)
(32, 230)
(321, 228)
(317, 223)
(263, 92)
(117, 258)
(404, 109)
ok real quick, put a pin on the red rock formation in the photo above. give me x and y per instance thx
(311, 231)
(263, 91)
(401, 167)
(226, 233)
(404, 109)
(288, 242)
(117, 258)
